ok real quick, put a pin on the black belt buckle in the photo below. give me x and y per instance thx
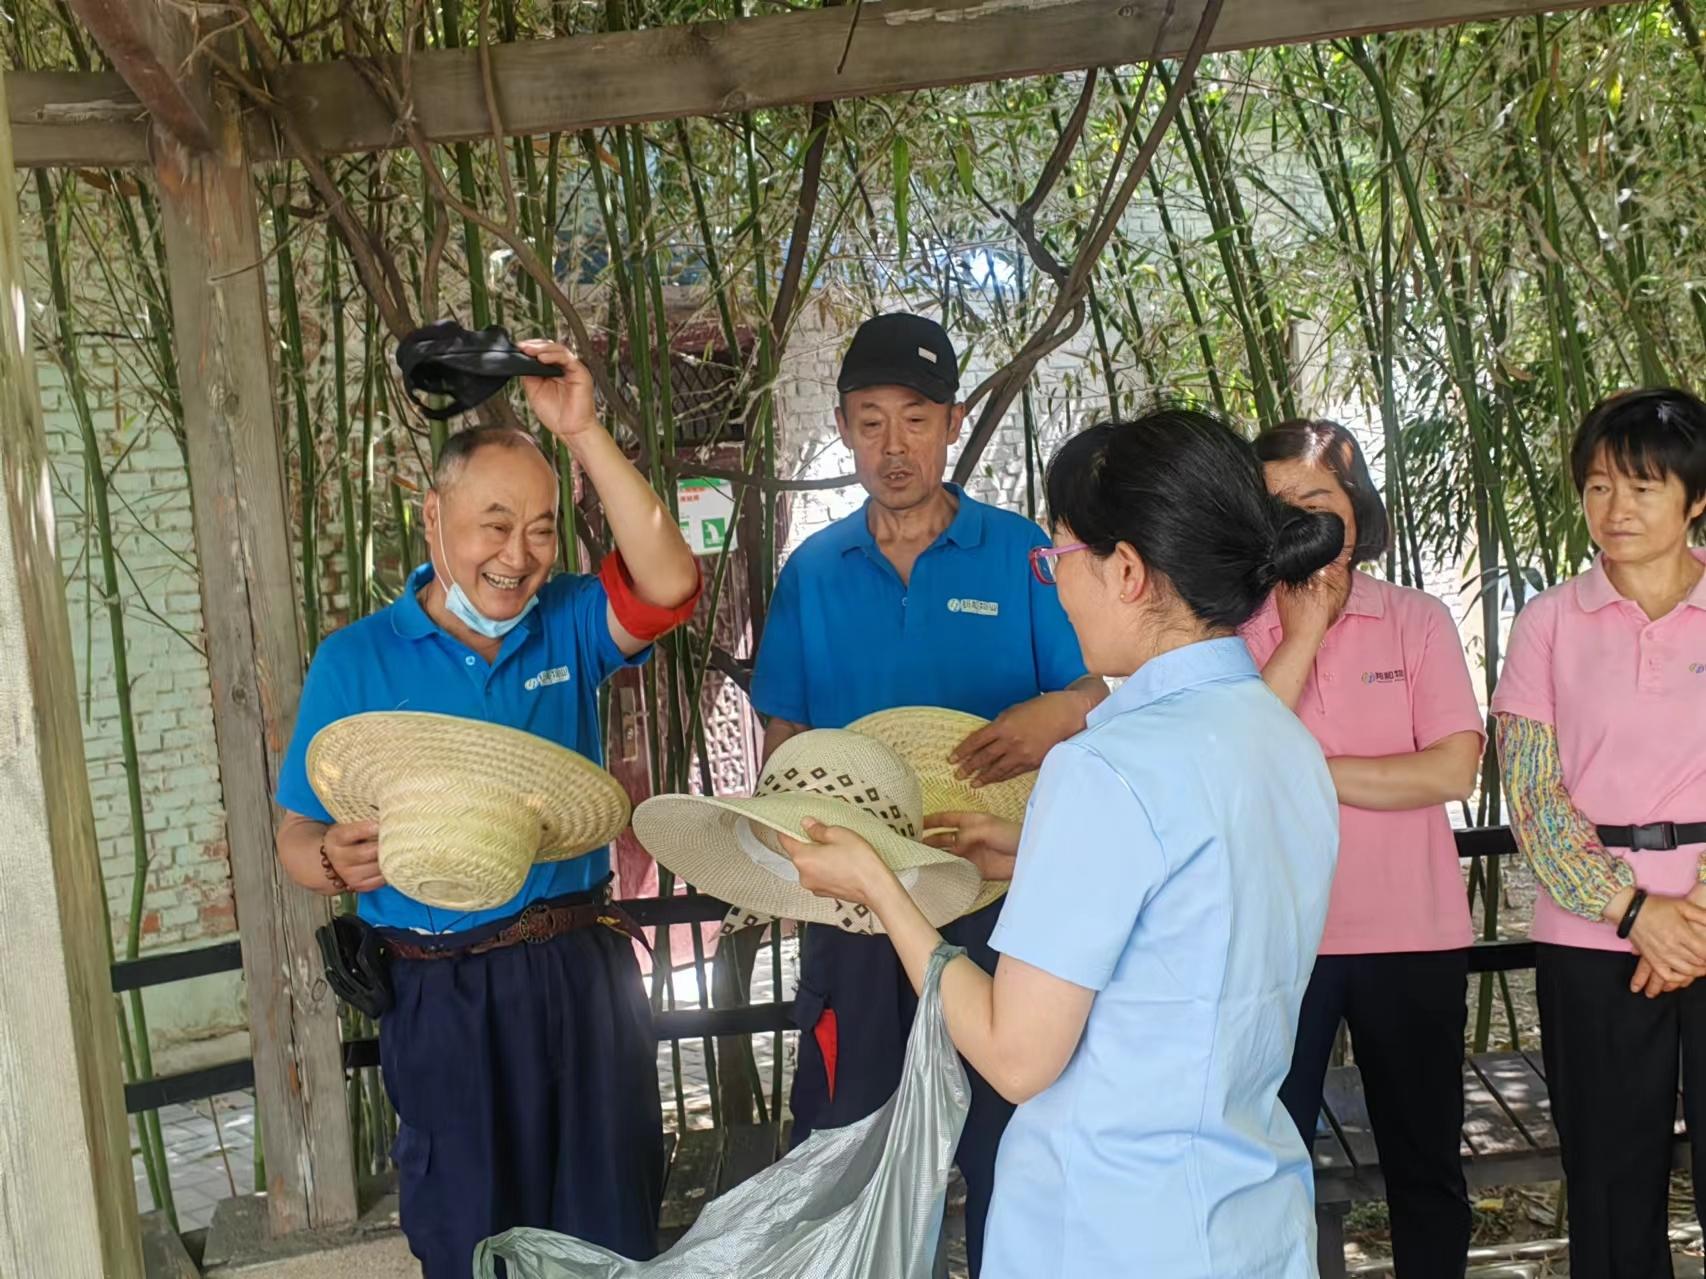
(1654, 837)
(534, 925)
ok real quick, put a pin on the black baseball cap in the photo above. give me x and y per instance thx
(902, 350)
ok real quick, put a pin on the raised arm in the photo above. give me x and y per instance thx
(1306, 614)
(662, 569)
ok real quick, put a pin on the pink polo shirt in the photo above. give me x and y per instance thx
(1390, 679)
(1627, 696)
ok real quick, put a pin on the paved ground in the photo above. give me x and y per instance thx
(210, 1151)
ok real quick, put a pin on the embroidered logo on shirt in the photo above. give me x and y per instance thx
(983, 608)
(556, 675)
(1384, 677)
(1697, 668)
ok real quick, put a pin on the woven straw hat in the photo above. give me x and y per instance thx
(464, 807)
(727, 846)
(924, 736)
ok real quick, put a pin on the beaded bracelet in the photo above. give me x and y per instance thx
(336, 879)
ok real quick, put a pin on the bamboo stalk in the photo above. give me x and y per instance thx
(1262, 381)
(296, 379)
(138, 1054)
(1238, 220)
(479, 297)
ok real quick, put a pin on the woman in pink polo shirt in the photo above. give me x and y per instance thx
(1601, 719)
(1376, 672)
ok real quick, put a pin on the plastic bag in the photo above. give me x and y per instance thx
(849, 1203)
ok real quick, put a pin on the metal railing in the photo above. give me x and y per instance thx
(694, 1023)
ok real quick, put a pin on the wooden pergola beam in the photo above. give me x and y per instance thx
(703, 69)
(149, 48)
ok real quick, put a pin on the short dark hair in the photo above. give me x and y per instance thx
(469, 441)
(1185, 491)
(1651, 434)
(1324, 443)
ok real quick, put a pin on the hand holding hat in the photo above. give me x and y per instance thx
(463, 808)
(350, 850)
(465, 367)
(1015, 742)
(834, 862)
(927, 737)
(988, 842)
(562, 402)
(822, 784)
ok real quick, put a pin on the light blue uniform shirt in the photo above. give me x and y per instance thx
(1176, 859)
(972, 629)
(545, 682)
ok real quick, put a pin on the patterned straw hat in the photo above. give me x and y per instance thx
(464, 807)
(924, 736)
(727, 846)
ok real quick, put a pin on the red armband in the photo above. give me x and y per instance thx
(642, 620)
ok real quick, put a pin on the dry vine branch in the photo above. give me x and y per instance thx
(402, 109)
(374, 265)
(1069, 303)
(1023, 220)
(488, 83)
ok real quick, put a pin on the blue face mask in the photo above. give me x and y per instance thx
(463, 610)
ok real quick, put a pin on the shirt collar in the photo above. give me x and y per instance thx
(964, 530)
(1201, 663)
(1365, 600)
(411, 621)
(408, 618)
(1595, 591)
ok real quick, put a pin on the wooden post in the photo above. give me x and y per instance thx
(243, 541)
(67, 1199)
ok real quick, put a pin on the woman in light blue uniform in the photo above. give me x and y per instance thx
(1169, 889)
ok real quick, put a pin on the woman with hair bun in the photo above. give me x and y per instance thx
(1168, 889)
(1376, 673)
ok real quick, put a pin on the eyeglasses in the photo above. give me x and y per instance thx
(1043, 558)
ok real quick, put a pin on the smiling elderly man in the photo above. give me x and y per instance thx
(524, 1076)
(923, 597)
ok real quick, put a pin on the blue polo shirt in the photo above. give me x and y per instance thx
(400, 659)
(1177, 859)
(974, 630)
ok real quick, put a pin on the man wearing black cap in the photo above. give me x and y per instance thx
(924, 597)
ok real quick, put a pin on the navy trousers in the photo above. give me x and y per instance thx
(861, 982)
(1406, 1014)
(525, 1083)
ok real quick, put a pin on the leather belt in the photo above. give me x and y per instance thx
(1654, 837)
(535, 925)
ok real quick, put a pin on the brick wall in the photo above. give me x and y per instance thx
(187, 888)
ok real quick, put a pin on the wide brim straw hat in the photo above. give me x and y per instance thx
(465, 808)
(925, 736)
(727, 846)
